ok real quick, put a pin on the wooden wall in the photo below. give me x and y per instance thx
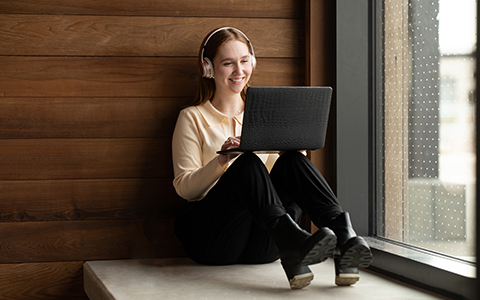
(89, 94)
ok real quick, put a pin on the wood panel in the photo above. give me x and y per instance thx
(83, 240)
(56, 280)
(56, 200)
(203, 8)
(89, 94)
(123, 76)
(320, 70)
(139, 36)
(84, 158)
(89, 117)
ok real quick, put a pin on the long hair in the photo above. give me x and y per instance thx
(206, 87)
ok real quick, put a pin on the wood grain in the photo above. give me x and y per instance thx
(84, 159)
(89, 94)
(57, 200)
(202, 8)
(49, 35)
(53, 280)
(320, 69)
(123, 76)
(89, 117)
(83, 240)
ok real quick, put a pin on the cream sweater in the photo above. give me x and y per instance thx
(200, 132)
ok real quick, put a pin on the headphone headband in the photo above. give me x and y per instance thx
(207, 66)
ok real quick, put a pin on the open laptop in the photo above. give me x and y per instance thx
(284, 119)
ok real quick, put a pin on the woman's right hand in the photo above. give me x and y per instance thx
(231, 142)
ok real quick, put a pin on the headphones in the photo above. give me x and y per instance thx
(206, 68)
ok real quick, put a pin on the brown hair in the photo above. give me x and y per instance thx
(206, 87)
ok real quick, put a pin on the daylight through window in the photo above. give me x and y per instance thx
(428, 131)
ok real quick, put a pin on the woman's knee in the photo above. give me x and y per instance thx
(249, 158)
(249, 162)
(289, 161)
(292, 156)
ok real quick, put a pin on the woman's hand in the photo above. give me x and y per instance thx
(231, 142)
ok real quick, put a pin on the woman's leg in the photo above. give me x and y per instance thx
(297, 248)
(296, 179)
(218, 229)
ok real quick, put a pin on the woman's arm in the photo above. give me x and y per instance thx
(192, 178)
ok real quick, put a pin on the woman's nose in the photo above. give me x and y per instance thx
(238, 68)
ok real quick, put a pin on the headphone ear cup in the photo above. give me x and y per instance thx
(207, 68)
(254, 61)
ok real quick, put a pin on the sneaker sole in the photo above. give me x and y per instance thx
(322, 250)
(357, 256)
(301, 281)
(346, 279)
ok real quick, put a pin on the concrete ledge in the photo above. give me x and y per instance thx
(180, 278)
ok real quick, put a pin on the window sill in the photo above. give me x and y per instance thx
(441, 274)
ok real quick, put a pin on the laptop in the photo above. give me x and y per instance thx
(284, 119)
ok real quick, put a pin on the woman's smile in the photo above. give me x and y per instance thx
(233, 68)
(237, 80)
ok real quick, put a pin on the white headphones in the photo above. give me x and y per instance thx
(206, 63)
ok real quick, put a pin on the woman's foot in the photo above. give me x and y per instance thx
(298, 248)
(352, 252)
(345, 276)
(324, 242)
(298, 276)
(355, 253)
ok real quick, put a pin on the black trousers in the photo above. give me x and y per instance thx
(230, 225)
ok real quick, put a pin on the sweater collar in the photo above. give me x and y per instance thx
(213, 117)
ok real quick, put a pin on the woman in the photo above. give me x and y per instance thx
(245, 209)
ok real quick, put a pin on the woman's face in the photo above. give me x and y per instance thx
(232, 67)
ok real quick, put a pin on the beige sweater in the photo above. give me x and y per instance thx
(200, 132)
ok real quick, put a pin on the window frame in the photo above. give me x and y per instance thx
(356, 162)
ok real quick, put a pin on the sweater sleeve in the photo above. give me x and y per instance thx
(193, 179)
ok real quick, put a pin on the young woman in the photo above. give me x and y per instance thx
(245, 209)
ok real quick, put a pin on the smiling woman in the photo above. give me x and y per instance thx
(208, 54)
(232, 72)
(246, 209)
(226, 62)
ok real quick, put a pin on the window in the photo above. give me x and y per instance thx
(427, 134)
(405, 131)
